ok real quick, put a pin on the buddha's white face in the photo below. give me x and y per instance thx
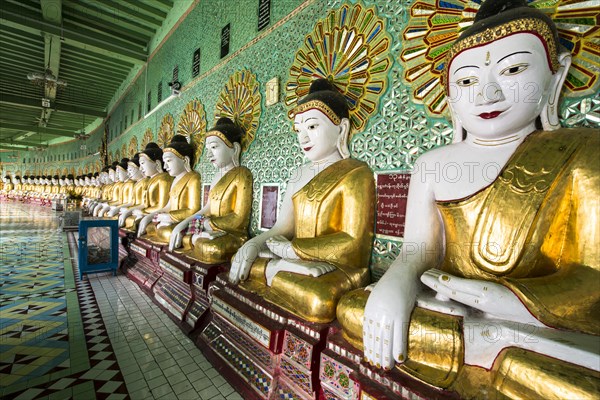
(87, 181)
(500, 89)
(173, 164)
(318, 136)
(122, 174)
(132, 171)
(54, 182)
(16, 180)
(111, 175)
(147, 166)
(218, 153)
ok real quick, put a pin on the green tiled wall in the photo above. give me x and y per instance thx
(393, 138)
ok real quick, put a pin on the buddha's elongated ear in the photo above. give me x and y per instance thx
(186, 163)
(159, 167)
(549, 115)
(237, 151)
(342, 142)
(457, 128)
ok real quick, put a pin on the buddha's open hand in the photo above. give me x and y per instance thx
(492, 298)
(144, 224)
(164, 219)
(242, 261)
(311, 268)
(387, 317)
(282, 247)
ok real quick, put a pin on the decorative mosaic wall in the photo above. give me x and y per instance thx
(393, 138)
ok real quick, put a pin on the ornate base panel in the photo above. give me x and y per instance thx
(175, 296)
(300, 360)
(262, 383)
(287, 390)
(335, 379)
(198, 309)
(141, 272)
(341, 361)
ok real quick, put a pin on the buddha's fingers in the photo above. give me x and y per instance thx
(434, 278)
(387, 344)
(399, 339)
(454, 288)
(368, 340)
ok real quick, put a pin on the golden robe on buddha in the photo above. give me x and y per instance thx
(230, 206)
(333, 216)
(116, 194)
(184, 199)
(154, 197)
(535, 230)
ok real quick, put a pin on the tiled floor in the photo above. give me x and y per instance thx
(61, 338)
(157, 359)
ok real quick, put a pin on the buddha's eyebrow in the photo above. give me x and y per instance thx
(465, 66)
(304, 121)
(512, 54)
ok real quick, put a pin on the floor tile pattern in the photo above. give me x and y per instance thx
(53, 342)
(99, 338)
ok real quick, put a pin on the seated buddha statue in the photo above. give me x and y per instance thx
(7, 184)
(184, 194)
(224, 219)
(127, 191)
(54, 191)
(121, 189)
(112, 192)
(62, 185)
(156, 188)
(17, 185)
(140, 183)
(509, 244)
(101, 180)
(320, 246)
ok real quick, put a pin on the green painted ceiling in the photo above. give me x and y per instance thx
(91, 44)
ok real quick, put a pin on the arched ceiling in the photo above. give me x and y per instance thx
(92, 45)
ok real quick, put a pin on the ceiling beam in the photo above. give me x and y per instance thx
(34, 128)
(101, 44)
(29, 102)
(133, 13)
(21, 143)
(52, 13)
(12, 148)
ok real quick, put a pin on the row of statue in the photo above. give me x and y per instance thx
(48, 187)
(496, 289)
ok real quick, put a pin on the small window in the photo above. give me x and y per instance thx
(196, 63)
(159, 92)
(149, 102)
(140, 111)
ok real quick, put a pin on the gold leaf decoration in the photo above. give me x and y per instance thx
(148, 137)
(240, 101)
(434, 25)
(165, 132)
(133, 147)
(192, 125)
(351, 49)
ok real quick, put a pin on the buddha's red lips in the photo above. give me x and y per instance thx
(490, 115)
(307, 148)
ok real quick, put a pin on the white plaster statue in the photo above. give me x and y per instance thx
(224, 158)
